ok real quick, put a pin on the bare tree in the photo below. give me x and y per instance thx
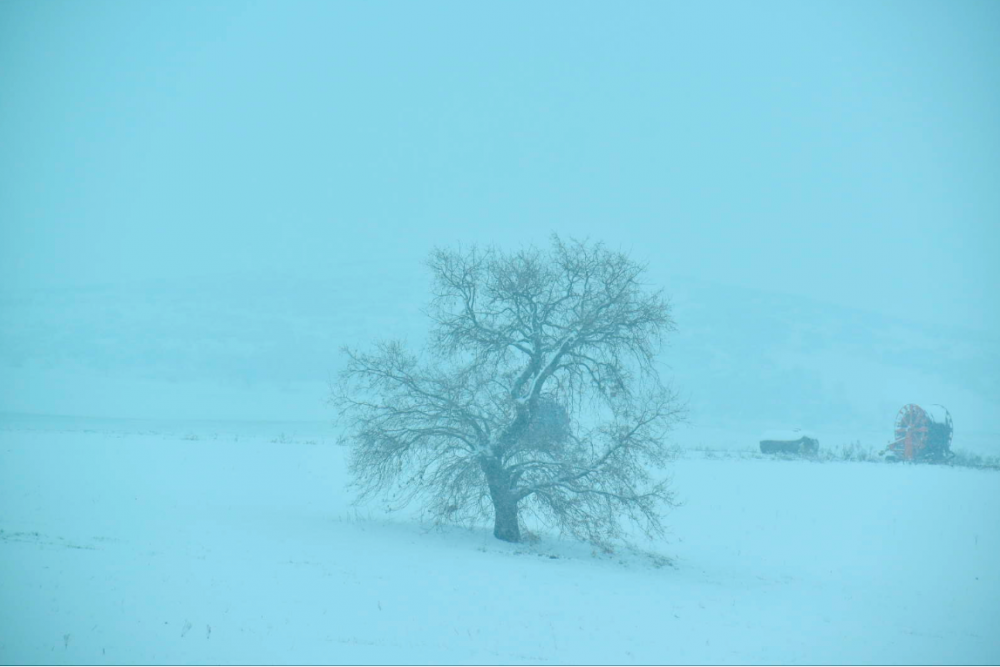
(539, 396)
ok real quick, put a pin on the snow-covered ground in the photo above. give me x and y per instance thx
(191, 543)
(171, 491)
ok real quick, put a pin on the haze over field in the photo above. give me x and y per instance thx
(244, 156)
(264, 349)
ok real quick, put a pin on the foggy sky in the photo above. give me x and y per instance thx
(846, 151)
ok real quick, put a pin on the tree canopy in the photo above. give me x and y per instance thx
(538, 396)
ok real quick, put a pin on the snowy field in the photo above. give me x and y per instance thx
(204, 546)
(164, 525)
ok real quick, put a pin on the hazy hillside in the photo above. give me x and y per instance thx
(256, 348)
(751, 357)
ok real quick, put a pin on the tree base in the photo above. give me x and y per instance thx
(506, 527)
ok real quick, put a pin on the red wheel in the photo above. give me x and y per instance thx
(912, 425)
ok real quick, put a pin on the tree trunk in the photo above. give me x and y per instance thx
(505, 525)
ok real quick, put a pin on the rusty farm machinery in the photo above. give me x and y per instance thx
(921, 435)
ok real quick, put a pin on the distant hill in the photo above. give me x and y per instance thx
(773, 360)
(265, 348)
